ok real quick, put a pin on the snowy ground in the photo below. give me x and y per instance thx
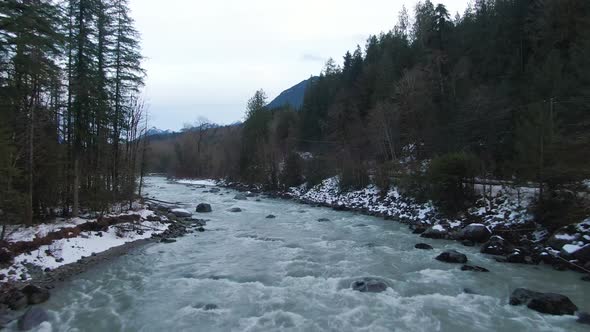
(202, 182)
(502, 206)
(66, 251)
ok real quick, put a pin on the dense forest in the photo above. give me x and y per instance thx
(70, 112)
(500, 92)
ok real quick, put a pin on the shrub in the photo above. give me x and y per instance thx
(448, 175)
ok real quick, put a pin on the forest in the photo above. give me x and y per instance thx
(497, 93)
(71, 114)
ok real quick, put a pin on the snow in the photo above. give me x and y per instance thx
(571, 248)
(438, 228)
(66, 251)
(566, 237)
(202, 182)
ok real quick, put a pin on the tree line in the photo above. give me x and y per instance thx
(498, 92)
(70, 113)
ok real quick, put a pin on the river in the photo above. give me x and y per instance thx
(293, 273)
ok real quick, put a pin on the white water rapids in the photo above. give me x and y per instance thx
(293, 273)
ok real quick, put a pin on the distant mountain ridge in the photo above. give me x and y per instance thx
(292, 96)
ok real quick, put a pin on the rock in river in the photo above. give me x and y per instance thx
(241, 197)
(236, 209)
(370, 285)
(474, 268)
(32, 318)
(35, 295)
(475, 232)
(181, 213)
(423, 246)
(203, 208)
(435, 232)
(271, 216)
(497, 246)
(547, 303)
(452, 256)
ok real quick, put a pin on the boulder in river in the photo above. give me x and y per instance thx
(35, 295)
(235, 210)
(423, 246)
(435, 232)
(271, 216)
(452, 256)
(14, 299)
(475, 232)
(214, 190)
(497, 246)
(323, 220)
(583, 318)
(204, 208)
(32, 318)
(369, 285)
(241, 197)
(181, 213)
(167, 240)
(474, 268)
(547, 303)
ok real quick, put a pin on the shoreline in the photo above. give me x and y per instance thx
(509, 243)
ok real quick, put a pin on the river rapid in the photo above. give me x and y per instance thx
(293, 273)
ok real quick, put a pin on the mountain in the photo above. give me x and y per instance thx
(153, 131)
(292, 96)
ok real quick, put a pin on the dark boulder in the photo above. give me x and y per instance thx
(271, 216)
(452, 256)
(423, 246)
(204, 208)
(468, 243)
(369, 285)
(475, 232)
(497, 246)
(547, 303)
(583, 318)
(340, 207)
(582, 254)
(435, 232)
(167, 240)
(181, 213)
(32, 318)
(241, 197)
(323, 220)
(235, 210)
(214, 190)
(474, 268)
(35, 295)
(14, 299)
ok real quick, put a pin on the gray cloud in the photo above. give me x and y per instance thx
(313, 58)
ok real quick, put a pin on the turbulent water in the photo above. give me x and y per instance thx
(293, 273)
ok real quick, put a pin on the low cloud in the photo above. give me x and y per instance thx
(312, 58)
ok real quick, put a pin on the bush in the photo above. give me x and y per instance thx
(448, 175)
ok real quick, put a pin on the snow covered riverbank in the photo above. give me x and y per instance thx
(67, 241)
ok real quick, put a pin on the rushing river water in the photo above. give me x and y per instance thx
(293, 273)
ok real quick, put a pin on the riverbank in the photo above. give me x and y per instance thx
(76, 246)
(500, 222)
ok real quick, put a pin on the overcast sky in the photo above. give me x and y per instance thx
(206, 58)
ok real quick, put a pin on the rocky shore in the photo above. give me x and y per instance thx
(500, 223)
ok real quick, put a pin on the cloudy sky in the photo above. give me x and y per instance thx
(206, 58)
